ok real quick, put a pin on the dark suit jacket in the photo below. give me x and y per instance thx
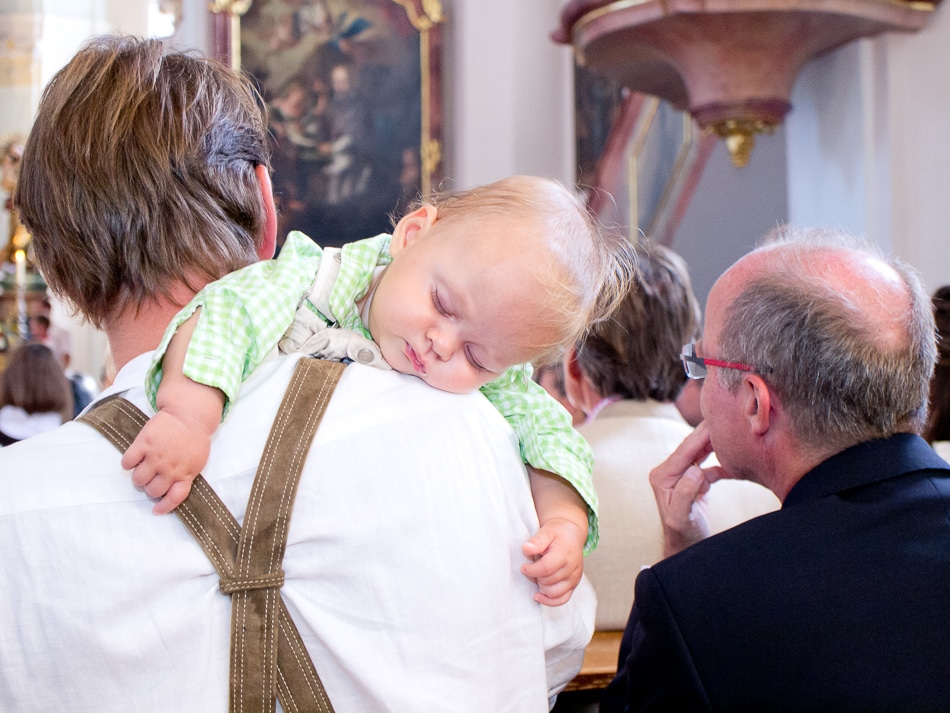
(840, 601)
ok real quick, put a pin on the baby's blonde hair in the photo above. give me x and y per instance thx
(586, 270)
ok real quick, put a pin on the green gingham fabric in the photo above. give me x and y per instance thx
(244, 314)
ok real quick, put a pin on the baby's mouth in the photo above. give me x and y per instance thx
(416, 362)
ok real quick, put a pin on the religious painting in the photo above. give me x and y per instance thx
(353, 91)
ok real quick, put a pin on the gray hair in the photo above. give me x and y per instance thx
(820, 349)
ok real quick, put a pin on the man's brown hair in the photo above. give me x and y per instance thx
(139, 173)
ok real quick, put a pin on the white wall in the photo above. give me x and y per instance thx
(867, 144)
(731, 209)
(918, 81)
(509, 92)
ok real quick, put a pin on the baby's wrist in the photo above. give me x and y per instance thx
(200, 425)
(575, 525)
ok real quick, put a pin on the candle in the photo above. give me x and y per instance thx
(19, 258)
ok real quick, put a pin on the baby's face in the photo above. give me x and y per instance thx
(457, 311)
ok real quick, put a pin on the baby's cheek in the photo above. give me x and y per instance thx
(456, 381)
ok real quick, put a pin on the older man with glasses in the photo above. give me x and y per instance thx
(816, 354)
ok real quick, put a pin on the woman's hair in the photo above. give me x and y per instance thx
(34, 381)
(585, 268)
(164, 145)
(635, 354)
(821, 348)
(938, 422)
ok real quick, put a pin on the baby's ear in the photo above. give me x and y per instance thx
(412, 226)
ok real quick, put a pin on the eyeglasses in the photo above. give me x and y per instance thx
(695, 366)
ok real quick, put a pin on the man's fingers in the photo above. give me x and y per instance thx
(689, 488)
(692, 451)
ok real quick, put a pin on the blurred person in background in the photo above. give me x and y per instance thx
(35, 395)
(551, 379)
(937, 430)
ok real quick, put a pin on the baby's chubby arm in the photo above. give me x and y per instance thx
(173, 447)
(558, 546)
(560, 465)
(242, 316)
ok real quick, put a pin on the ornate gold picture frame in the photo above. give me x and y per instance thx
(356, 114)
(638, 157)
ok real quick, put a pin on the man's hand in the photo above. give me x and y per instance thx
(166, 457)
(680, 485)
(558, 551)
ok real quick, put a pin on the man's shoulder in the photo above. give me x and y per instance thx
(364, 399)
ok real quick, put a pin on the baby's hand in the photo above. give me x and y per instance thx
(558, 552)
(166, 457)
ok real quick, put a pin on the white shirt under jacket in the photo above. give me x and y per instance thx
(402, 565)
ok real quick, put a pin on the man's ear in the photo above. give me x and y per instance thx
(411, 226)
(265, 250)
(759, 404)
(572, 368)
(573, 378)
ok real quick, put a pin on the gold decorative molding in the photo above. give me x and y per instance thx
(740, 137)
(234, 7)
(424, 17)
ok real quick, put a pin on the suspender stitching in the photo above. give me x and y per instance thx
(277, 643)
(286, 499)
(317, 692)
(246, 545)
(207, 542)
(288, 700)
(111, 433)
(238, 604)
(268, 682)
(215, 506)
(133, 413)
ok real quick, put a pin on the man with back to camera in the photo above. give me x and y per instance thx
(105, 606)
(817, 354)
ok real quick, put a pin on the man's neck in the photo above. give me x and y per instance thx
(136, 332)
(792, 466)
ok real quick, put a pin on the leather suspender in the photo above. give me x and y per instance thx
(267, 653)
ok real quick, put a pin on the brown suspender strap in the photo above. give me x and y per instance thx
(267, 652)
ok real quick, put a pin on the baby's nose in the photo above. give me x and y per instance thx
(443, 341)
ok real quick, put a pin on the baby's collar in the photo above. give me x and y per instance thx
(367, 301)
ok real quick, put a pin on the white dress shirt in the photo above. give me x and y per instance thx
(402, 563)
(629, 439)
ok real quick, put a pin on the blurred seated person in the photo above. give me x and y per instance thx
(35, 395)
(687, 403)
(83, 386)
(551, 379)
(937, 430)
(52, 334)
(626, 375)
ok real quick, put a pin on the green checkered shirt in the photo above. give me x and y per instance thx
(244, 314)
